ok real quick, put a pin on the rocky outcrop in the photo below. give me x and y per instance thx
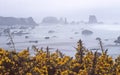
(50, 20)
(92, 19)
(87, 32)
(54, 20)
(117, 41)
(17, 21)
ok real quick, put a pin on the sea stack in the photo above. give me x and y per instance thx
(50, 20)
(92, 19)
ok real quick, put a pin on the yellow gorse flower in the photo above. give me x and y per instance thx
(44, 62)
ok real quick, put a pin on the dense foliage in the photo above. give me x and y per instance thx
(85, 62)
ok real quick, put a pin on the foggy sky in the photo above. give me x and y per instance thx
(105, 10)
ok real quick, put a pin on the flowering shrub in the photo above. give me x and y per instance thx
(45, 63)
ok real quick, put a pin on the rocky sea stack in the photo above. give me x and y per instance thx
(92, 19)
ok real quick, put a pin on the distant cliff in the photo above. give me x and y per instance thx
(17, 21)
